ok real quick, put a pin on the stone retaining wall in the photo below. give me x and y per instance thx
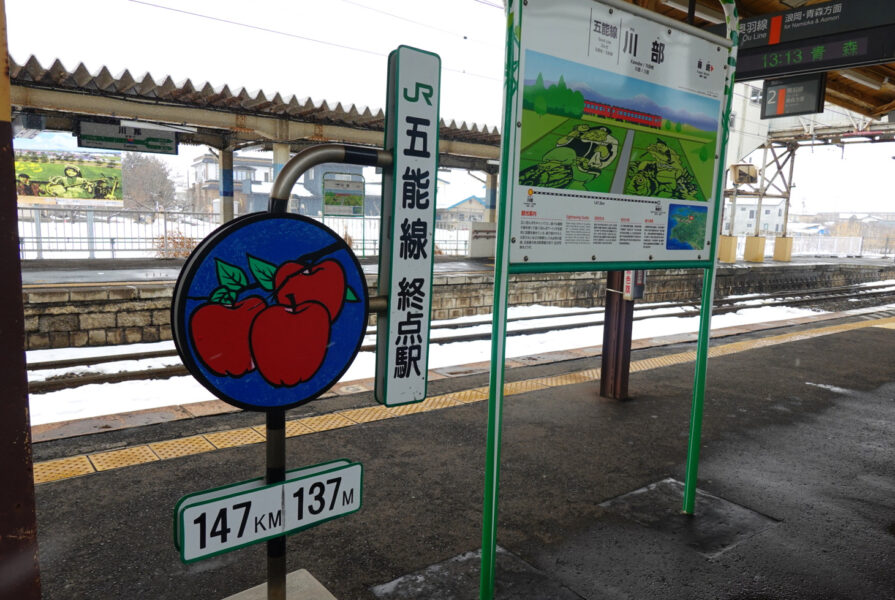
(97, 316)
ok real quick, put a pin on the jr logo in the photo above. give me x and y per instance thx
(421, 88)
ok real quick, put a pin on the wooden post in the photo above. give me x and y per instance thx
(617, 325)
(18, 518)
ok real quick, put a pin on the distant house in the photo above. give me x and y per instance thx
(252, 178)
(252, 182)
(459, 215)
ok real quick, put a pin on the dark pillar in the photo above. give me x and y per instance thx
(226, 167)
(20, 573)
(617, 325)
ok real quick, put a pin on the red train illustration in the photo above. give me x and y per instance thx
(622, 114)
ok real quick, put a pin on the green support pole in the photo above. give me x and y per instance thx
(708, 284)
(498, 327)
(702, 354)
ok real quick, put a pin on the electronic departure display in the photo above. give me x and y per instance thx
(802, 95)
(864, 47)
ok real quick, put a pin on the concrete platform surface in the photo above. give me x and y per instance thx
(300, 585)
(797, 474)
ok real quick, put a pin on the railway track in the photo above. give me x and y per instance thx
(878, 294)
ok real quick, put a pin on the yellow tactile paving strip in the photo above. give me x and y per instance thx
(368, 414)
(326, 422)
(234, 437)
(182, 447)
(64, 468)
(115, 459)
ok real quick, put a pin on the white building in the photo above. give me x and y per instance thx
(769, 218)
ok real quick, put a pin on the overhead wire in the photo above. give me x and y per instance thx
(420, 23)
(294, 35)
(382, 54)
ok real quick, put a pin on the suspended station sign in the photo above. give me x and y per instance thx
(821, 37)
(792, 96)
(133, 139)
(614, 153)
(815, 21)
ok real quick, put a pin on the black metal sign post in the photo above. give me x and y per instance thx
(276, 419)
(276, 472)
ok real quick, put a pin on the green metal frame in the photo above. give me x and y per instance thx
(502, 270)
(708, 282)
(499, 313)
(517, 268)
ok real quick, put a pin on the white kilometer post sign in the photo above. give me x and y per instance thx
(224, 519)
(408, 226)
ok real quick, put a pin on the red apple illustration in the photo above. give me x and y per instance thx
(323, 282)
(220, 334)
(289, 344)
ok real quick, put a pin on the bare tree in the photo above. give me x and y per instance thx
(146, 183)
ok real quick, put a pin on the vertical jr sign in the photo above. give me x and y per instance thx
(407, 245)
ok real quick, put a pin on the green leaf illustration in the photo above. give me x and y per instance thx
(263, 271)
(230, 276)
(350, 296)
(223, 296)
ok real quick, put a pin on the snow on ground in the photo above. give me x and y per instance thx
(108, 398)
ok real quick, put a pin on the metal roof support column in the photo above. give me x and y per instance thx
(733, 208)
(791, 148)
(280, 157)
(226, 164)
(762, 187)
(18, 520)
(491, 197)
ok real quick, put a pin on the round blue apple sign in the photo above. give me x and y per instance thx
(270, 310)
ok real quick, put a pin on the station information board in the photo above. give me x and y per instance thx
(614, 154)
(343, 195)
(803, 95)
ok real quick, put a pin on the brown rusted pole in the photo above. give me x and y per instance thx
(617, 325)
(19, 573)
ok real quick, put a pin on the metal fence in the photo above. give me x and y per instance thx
(51, 232)
(812, 245)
